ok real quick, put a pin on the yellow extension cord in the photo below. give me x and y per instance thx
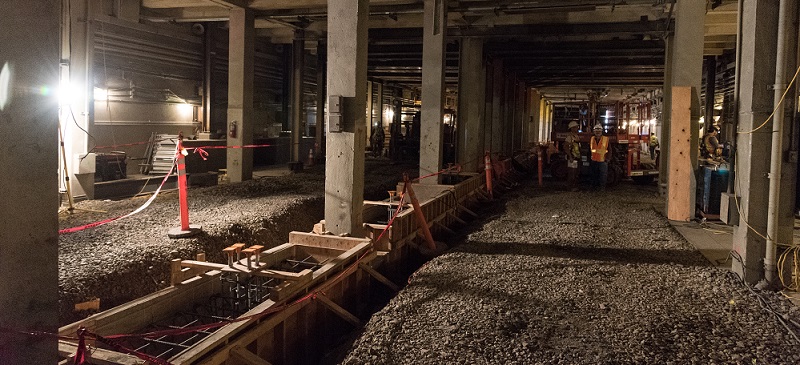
(794, 281)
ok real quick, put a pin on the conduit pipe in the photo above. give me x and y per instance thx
(773, 209)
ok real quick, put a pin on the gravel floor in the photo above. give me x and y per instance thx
(127, 259)
(576, 278)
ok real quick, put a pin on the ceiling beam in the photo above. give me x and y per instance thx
(231, 4)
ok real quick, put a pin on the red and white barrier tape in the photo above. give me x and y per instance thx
(141, 208)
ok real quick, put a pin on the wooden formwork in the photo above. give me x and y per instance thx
(285, 337)
(440, 204)
(332, 296)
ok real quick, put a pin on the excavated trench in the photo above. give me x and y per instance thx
(127, 259)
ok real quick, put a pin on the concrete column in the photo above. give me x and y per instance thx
(321, 60)
(76, 92)
(208, 78)
(508, 115)
(498, 102)
(433, 89)
(240, 93)
(298, 75)
(370, 103)
(347, 78)
(666, 112)
(711, 90)
(471, 105)
(378, 122)
(533, 129)
(489, 107)
(758, 52)
(29, 223)
(522, 112)
(687, 70)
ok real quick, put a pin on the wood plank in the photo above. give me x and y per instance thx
(446, 228)
(242, 354)
(680, 205)
(326, 241)
(335, 308)
(465, 209)
(98, 356)
(456, 218)
(238, 268)
(380, 278)
(175, 275)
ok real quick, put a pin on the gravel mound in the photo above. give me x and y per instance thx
(129, 258)
(576, 278)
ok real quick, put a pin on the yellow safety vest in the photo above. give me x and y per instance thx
(599, 150)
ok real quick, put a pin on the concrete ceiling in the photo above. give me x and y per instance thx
(564, 45)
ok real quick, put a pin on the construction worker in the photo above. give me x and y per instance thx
(711, 147)
(572, 149)
(601, 154)
(653, 145)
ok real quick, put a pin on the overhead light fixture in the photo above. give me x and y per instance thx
(5, 85)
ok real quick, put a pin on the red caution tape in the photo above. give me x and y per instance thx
(106, 221)
(203, 153)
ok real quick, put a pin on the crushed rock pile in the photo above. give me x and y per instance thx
(577, 278)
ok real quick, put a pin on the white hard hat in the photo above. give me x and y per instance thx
(573, 124)
(598, 127)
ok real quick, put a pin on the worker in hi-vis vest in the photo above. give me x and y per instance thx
(601, 154)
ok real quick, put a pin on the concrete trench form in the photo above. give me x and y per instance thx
(202, 294)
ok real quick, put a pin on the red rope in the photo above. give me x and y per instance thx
(456, 168)
(109, 220)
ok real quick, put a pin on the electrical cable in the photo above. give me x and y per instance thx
(780, 103)
(94, 141)
(785, 322)
(794, 284)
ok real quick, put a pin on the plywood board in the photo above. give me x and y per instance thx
(680, 206)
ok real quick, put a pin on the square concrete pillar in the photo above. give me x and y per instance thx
(471, 105)
(758, 54)
(434, 41)
(241, 58)
(498, 106)
(346, 129)
(29, 75)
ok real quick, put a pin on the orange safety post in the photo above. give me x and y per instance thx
(487, 161)
(418, 213)
(185, 230)
(182, 185)
(310, 161)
